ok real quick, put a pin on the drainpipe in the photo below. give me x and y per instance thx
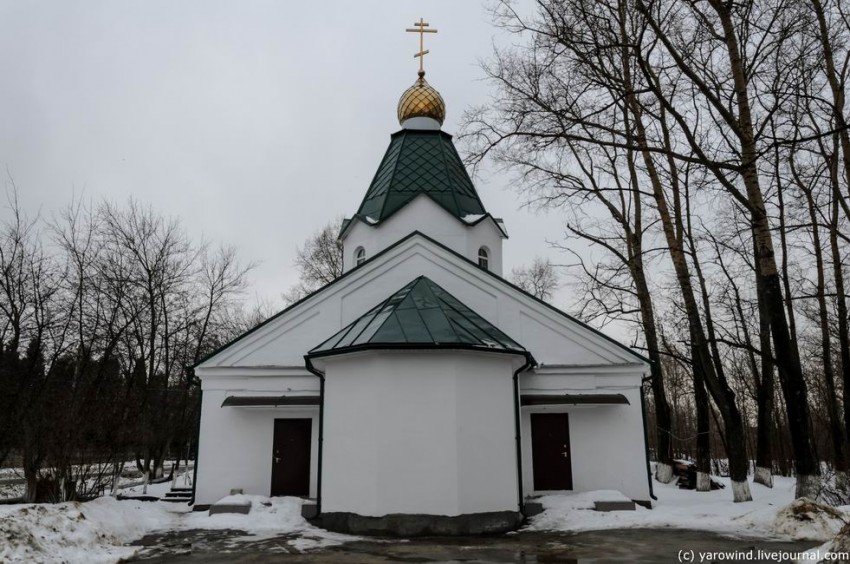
(321, 376)
(646, 436)
(529, 362)
(197, 448)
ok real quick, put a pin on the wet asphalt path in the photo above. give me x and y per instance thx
(633, 545)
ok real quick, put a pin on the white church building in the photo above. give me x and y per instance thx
(421, 392)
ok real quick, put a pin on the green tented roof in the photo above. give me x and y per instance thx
(420, 162)
(422, 314)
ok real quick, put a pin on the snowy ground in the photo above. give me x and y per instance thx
(97, 531)
(687, 509)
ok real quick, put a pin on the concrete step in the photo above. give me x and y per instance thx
(532, 508)
(173, 493)
(309, 509)
(177, 499)
(614, 505)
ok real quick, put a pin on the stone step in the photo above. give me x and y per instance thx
(614, 505)
(309, 509)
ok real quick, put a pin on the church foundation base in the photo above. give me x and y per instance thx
(413, 525)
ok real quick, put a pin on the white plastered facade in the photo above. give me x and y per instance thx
(608, 442)
(425, 215)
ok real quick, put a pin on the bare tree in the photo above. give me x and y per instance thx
(538, 279)
(319, 261)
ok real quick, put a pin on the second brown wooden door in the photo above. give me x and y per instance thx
(550, 451)
(291, 457)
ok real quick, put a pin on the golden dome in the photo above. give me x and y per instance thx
(421, 100)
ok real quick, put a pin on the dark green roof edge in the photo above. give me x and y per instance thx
(451, 251)
(420, 346)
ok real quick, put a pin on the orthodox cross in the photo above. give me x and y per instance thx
(421, 28)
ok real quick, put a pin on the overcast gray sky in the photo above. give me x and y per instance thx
(253, 122)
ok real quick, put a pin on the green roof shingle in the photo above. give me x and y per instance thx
(420, 162)
(421, 314)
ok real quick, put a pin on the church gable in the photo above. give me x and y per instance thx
(548, 334)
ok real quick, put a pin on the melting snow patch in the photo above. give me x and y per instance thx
(97, 531)
(804, 519)
(769, 515)
(269, 517)
(77, 532)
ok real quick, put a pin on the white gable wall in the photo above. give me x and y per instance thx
(551, 338)
(424, 215)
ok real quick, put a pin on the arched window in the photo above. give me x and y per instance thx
(484, 258)
(359, 256)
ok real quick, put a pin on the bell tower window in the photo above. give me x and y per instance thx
(359, 256)
(484, 258)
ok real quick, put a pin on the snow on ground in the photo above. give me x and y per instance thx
(97, 531)
(269, 517)
(688, 509)
(79, 532)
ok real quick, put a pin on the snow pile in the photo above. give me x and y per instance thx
(75, 532)
(836, 550)
(714, 511)
(269, 517)
(97, 531)
(804, 519)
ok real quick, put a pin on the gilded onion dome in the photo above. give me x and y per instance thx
(421, 100)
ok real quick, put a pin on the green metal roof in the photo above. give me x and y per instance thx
(420, 315)
(420, 162)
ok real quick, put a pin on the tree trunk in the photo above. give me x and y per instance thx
(701, 360)
(788, 360)
(764, 399)
(836, 428)
(703, 457)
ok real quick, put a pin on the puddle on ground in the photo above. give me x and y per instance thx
(632, 545)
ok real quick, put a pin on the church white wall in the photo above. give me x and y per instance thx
(235, 443)
(427, 433)
(607, 442)
(425, 216)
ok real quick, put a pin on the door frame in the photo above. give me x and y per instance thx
(562, 459)
(527, 455)
(293, 413)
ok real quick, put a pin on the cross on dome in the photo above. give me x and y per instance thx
(421, 106)
(421, 28)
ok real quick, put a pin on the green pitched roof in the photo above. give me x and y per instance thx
(420, 315)
(420, 162)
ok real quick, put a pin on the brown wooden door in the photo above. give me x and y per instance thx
(550, 451)
(291, 457)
